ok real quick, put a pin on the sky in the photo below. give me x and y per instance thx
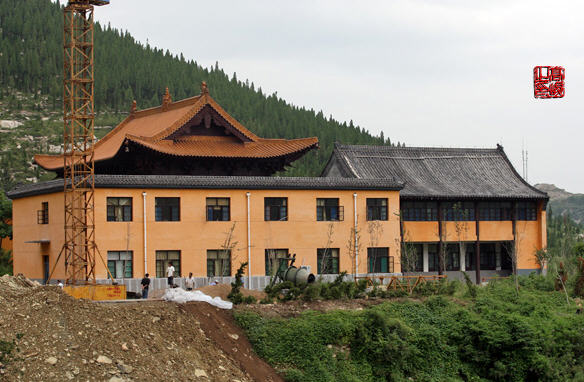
(425, 72)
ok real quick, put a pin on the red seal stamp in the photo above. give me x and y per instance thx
(548, 82)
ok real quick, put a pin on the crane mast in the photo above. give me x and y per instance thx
(79, 247)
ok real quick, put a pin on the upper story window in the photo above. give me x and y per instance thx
(167, 209)
(376, 208)
(119, 209)
(329, 210)
(218, 209)
(458, 211)
(275, 209)
(495, 211)
(419, 211)
(43, 213)
(526, 211)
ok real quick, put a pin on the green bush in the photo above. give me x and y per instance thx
(498, 336)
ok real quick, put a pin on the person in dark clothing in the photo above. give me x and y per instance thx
(145, 285)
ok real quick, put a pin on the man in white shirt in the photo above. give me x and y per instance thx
(190, 282)
(170, 274)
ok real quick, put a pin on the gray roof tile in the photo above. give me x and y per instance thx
(429, 172)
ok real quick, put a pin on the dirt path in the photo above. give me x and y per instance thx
(220, 327)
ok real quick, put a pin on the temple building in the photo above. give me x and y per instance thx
(458, 208)
(186, 183)
(194, 136)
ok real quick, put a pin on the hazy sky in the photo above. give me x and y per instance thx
(427, 73)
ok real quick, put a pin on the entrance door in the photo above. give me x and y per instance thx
(45, 269)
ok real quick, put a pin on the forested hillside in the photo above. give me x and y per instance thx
(31, 61)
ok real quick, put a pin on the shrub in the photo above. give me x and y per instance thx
(235, 296)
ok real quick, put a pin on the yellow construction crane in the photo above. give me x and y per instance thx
(79, 248)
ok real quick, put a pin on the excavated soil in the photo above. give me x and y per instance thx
(58, 338)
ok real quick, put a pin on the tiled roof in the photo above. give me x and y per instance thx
(228, 147)
(429, 172)
(213, 182)
(150, 127)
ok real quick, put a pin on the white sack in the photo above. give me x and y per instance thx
(181, 296)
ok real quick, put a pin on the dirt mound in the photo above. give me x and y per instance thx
(222, 290)
(57, 337)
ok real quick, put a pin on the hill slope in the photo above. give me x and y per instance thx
(563, 202)
(31, 60)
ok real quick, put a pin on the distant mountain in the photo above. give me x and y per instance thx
(31, 70)
(563, 202)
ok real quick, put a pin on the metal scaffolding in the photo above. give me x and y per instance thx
(78, 114)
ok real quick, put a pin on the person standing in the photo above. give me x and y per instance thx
(190, 282)
(170, 274)
(145, 285)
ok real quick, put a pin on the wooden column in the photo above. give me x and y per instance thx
(441, 265)
(514, 231)
(478, 246)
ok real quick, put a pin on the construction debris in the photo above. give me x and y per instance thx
(57, 337)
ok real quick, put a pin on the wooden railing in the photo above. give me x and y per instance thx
(405, 283)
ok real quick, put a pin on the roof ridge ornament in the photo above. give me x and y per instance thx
(166, 99)
(204, 88)
(133, 108)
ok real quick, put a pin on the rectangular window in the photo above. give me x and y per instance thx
(162, 260)
(494, 211)
(376, 208)
(327, 261)
(419, 211)
(470, 256)
(218, 209)
(526, 211)
(452, 257)
(167, 209)
(119, 264)
(379, 261)
(43, 213)
(274, 258)
(119, 209)
(329, 210)
(433, 260)
(507, 255)
(458, 211)
(218, 263)
(412, 257)
(488, 256)
(275, 209)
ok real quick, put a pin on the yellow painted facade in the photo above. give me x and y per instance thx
(193, 235)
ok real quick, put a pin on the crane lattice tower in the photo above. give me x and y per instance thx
(78, 138)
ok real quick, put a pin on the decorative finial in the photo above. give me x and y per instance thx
(133, 108)
(204, 88)
(166, 99)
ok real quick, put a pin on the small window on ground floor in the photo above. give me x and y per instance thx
(327, 261)
(433, 260)
(119, 264)
(218, 263)
(162, 260)
(274, 258)
(507, 255)
(412, 257)
(379, 261)
(453, 257)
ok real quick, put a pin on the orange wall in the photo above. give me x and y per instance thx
(193, 235)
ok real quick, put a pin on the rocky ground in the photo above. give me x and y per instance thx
(45, 335)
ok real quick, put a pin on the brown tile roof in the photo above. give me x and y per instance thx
(150, 127)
